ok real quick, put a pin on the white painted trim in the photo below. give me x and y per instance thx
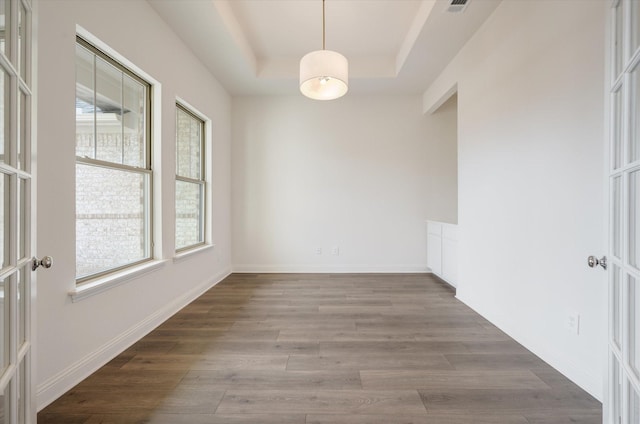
(208, 176)
(589, 381)
(445, 280)
(335, 269)
(223, 7)
(607, 402)
(102, 284)
(155, 220)
(32, 300)
(100, 45)
(442, 250)
(192, 109)
(184, 254)
(425, 10)
(431, 108)
(57, 385)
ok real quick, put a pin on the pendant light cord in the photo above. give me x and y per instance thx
(323, 25)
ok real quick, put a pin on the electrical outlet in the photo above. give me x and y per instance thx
(335, 251)
(318, 250)
(573, 323)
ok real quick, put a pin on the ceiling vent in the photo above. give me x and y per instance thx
(457, 6)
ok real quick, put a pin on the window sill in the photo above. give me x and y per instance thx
(102, 284)
(187, 253)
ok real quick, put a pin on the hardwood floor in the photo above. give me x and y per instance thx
(326, 349)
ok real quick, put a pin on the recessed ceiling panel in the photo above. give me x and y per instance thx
(291, 28)
(255, 46)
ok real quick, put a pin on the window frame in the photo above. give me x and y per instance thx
(147, 170)
(203, 182)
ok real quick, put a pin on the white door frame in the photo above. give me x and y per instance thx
(32, 407)
(622, 83)
(17, 401)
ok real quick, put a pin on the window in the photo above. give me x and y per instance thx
(190, 180)
(113, 165)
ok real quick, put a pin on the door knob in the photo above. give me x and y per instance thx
(593, 262)
(45, 262)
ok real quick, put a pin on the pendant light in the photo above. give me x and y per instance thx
(324, 74)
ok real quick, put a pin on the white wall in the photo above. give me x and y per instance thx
(361, 173)
(530, 140)
(73, 339)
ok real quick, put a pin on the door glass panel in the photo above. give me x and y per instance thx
(634, 139)
(134, 123)
(109, 112)
(635, 25)
(5, 26)
(616, 154)
(634, 219)
(4, 325)
(5, 97)
(21, 306)
(634, 405)
(22, 230)
(617, 49)
(616, 327)
(634, 325)
(616, 392)
(616, 191)
(23, 280)
(22, 375)
(22, 41)
(5, 405)
(4, 220)
(22, 130)
(111, 224)
(85, 113)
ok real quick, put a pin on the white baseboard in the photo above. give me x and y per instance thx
(589, 382)
(443, 279)
(60, 383)
(331, 269)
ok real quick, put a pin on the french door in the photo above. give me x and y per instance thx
(16, 187)
(622, 404)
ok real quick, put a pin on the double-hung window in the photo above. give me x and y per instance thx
(190, 179)
(113, 165)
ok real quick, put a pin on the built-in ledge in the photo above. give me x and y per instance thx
(180, 256)
(102, 284)
(442, 250)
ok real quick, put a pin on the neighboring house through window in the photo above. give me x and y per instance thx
(113, 165)
(190, 179)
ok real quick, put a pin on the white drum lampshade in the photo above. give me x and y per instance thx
(324, 75)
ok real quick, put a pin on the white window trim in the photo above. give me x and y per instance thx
(103, 283)
(183, 254)
(208, 182)
(107, 282)
(100, 45)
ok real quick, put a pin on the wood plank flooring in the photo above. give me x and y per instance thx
(326, 349)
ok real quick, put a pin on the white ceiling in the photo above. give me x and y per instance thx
(255, 46)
